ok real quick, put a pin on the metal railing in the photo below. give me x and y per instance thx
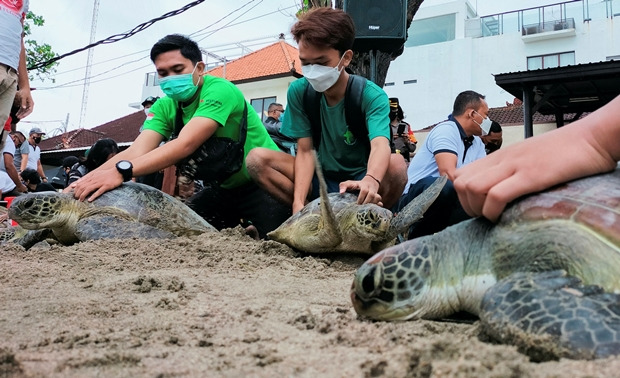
(548, 26)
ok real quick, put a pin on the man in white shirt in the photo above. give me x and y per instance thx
(34, 157)
(10, 183)
(450, 144)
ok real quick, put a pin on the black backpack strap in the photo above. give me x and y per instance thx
(355, 117)
(312, 107)
(243, 126)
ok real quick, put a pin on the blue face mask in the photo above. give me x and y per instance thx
(179, 87)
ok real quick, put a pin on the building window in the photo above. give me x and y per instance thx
(152, 80)
(432, 30)
(260, 105)
(551, 60)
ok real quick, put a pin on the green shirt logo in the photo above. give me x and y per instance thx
(349, 138)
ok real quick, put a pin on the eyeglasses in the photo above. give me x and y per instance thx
(280, 110)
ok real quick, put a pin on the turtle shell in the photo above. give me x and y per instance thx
(593, 202)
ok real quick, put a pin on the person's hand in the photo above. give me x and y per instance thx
(96, 183)
(368, 188)
(487, 185)
(26, 105)
(21, 188)
(297, 206)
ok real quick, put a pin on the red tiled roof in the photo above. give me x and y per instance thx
(278, 59)
(512, 115)
(122, 130)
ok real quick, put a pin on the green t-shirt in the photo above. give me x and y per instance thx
(342, 157)
(221, 101)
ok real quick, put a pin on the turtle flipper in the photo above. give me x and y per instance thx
(550, 315)
(113, 227)
(31, 237)
(415, 209)
(328, 229)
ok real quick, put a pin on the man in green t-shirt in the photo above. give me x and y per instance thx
(325, 37)
(211, 109)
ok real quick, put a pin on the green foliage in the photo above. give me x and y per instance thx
(307, 4)
(38, 52)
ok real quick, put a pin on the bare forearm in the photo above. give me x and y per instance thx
(379, 159)
(304, 170)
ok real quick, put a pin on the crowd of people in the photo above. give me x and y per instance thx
(257, 173)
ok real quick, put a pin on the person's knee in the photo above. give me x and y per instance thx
(256, 161)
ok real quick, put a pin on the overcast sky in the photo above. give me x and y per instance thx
(118, 69)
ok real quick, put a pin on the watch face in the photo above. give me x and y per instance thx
(123, 164)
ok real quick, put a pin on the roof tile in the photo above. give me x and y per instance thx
(278, 59)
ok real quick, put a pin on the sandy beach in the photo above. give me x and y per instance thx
(224, 305)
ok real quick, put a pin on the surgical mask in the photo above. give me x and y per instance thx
(179, 87)
(321, 77)
(485, 125)
(147, 110)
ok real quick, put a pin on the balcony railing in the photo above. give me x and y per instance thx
(548, 26)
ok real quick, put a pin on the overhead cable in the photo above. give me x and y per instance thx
(118, 37)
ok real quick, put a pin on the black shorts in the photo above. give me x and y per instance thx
(245, 205)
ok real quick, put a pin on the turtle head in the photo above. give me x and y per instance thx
(372, 221)
(38, 210)
(394, 283)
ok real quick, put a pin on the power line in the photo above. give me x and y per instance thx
(223, 47)
(118, 37)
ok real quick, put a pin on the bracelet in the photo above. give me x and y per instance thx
(374, 178)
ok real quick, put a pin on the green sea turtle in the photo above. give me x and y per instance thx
(131, 210)
(501, 272)
(334, 222)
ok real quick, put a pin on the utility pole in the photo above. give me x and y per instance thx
(89, 59)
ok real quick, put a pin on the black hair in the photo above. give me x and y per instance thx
(31, 176)
(465, 100)
(495, 127)
(189, 49)
(69, 161)
(100, 152)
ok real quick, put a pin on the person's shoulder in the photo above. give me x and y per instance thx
(299, 85)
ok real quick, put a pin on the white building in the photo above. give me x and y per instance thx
(451, 49)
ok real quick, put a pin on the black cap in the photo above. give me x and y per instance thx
(69, 161)
(150, 99)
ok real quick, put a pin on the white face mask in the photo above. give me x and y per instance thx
(485, 125)
(147, 110)
(321, 77)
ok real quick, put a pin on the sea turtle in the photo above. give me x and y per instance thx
(334, 222)
(131, 210)
(501, 272)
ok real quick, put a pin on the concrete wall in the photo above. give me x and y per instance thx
(443, 70)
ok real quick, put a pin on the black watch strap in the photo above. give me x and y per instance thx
(125, 168)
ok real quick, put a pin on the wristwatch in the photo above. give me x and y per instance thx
(126, 169)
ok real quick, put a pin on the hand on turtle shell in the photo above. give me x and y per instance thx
(368, 188)
(96, 183)
(585, 147)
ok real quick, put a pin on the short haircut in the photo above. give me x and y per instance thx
(495, 127)
(325, 27)
(18, 134)
(273, 105)
(31, 176)
(467, 99)
(189, 49)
